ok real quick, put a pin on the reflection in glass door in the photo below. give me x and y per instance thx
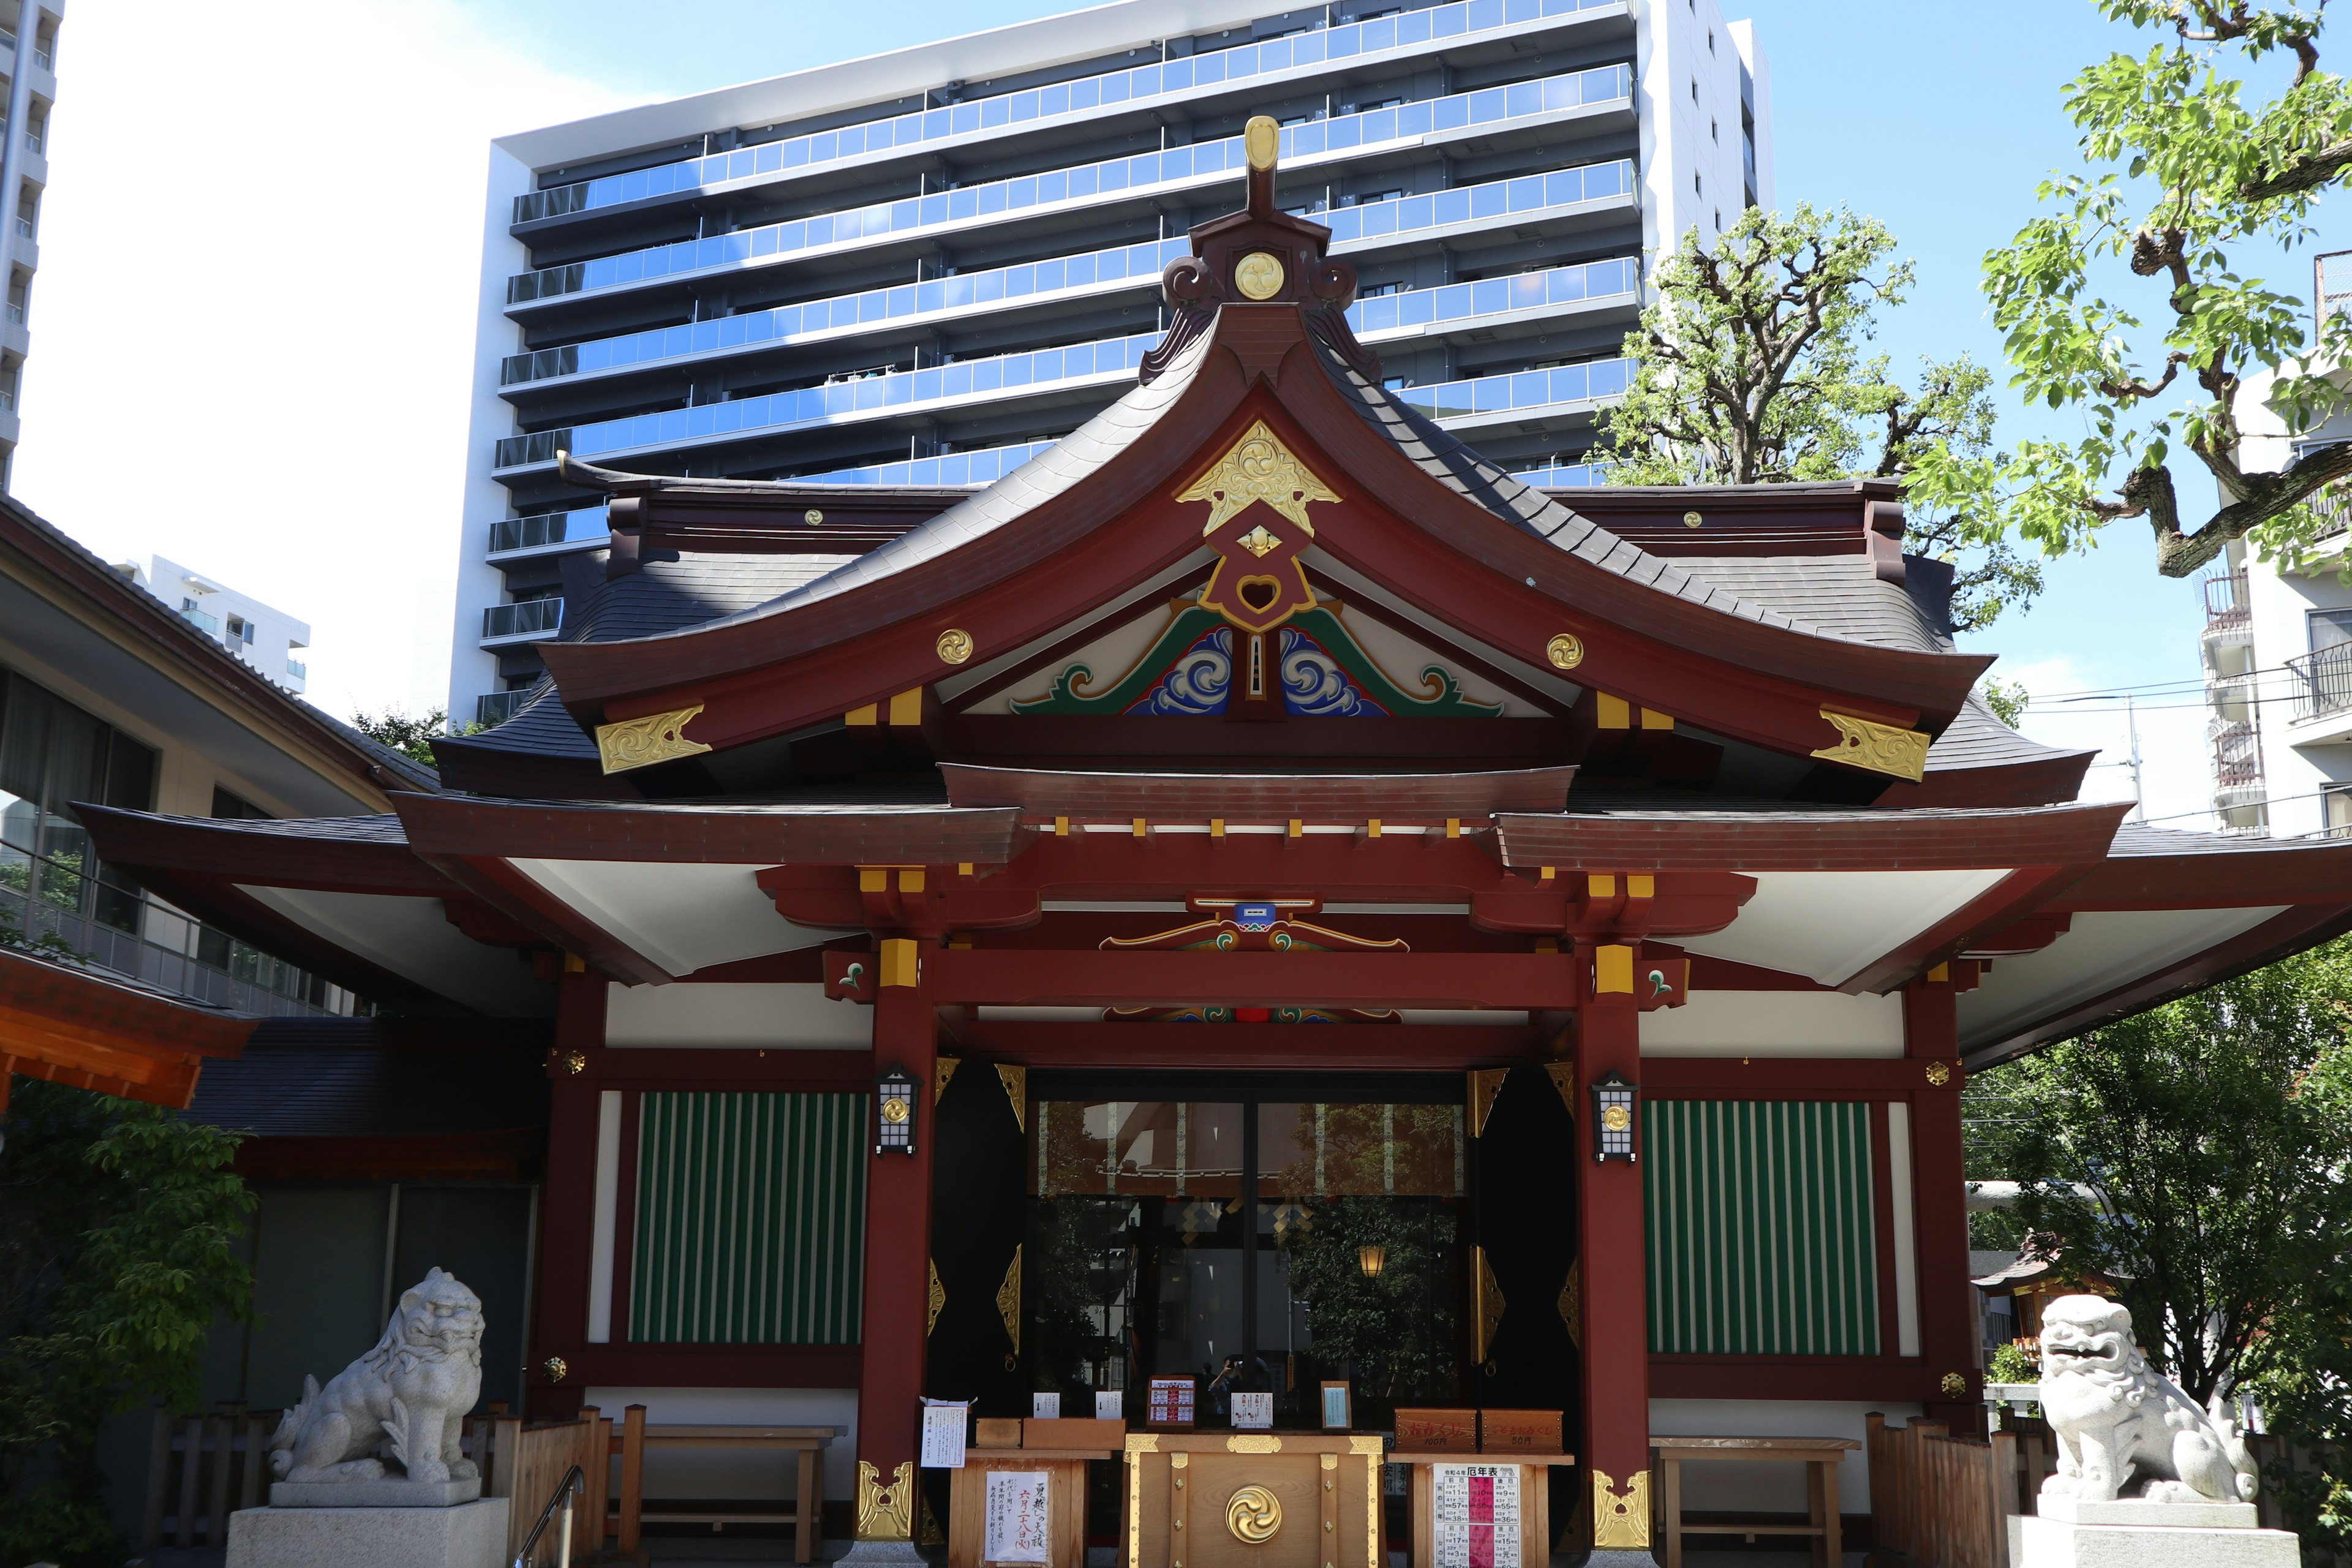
(1263, 1244)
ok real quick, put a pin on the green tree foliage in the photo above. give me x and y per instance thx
(1752, 369)
(2215, 1136)
(119, 1225)
(2181, 172)
(2006, 699)
(411, 736)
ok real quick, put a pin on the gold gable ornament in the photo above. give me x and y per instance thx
(1259, 467)
(1880, 748)
(642, 743)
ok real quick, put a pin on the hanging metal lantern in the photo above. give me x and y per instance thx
(1613, 1098)
(894, 1112)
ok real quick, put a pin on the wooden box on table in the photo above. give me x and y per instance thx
(1253, 1500)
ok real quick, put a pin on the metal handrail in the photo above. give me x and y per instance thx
(572, 1483)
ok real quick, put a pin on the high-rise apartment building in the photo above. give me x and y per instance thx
(28, 45)
(2278, 644)
(266, 637)
(924, 266)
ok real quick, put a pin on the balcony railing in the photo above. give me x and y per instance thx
(1086, 183)
(1525, 389)
(1556, 285)
(530, 617)
(297, 669)
(2322, 682)
(116, 928)
(1466, 18)
(2226, 611)
(579, 525)
(202, 620)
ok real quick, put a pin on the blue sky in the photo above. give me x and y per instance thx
(1937, 119)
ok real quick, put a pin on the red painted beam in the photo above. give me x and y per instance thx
(1862, 1379)
(1781, 1077)
(2004, 903)
(983, 977)
(1388, 1048)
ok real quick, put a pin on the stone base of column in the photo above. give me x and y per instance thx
(885, 1554)
(1621, 1557)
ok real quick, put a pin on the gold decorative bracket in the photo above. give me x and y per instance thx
(1016, 1090)
(1490, 1305)
(942, 1069)
(1485, 1083)
(1620, 1519)
(1564, 1078)
(1571, 1306)
(1008, 1300)
(1259, 467)
(642, 743)
(885, 1512)
(938, 1299)
(1880, 748)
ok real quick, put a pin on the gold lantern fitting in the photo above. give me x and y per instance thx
(1370, 1257)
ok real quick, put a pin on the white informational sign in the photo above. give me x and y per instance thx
(1110, 1404)
(1045, 1406)
(1017, 1527)
(1475, 1512)
(1253, 1412)
(943, 1429)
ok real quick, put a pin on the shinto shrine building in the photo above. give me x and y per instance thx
(1343, 914)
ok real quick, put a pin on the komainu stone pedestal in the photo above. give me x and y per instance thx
(470, 1535)
(2128, 1533)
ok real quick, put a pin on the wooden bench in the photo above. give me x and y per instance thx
(808, 1501)
(1820, 1458)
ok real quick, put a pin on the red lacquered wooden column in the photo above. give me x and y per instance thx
(898, 1262)
(1612, 1272)
(1948, 1320)
(567, 1220)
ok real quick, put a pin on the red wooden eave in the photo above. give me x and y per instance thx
(73, 1027)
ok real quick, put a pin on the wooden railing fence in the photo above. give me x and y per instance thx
(1944, 1502)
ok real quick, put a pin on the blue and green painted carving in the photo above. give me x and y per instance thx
(1323, 670)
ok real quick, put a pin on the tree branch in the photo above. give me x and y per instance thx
(2307, 173)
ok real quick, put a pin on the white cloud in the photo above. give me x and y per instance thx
(253, 325)
(2176, 769)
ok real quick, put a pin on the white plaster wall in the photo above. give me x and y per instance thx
(1776, 1024)
(1743, 1484)
(711, 1472)
(1682, 135)
(789, 1017)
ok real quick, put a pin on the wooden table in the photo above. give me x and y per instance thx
(808, 1503)
(1065, 1501)
(1535, 1501)
(1253, 1500)
(1820, 1455)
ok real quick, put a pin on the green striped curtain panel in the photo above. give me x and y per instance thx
(751, 1223)
(1762, 1237)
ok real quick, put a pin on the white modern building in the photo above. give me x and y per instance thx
(28, 51)
(269, 639)
(2278, 645)
(923, 266)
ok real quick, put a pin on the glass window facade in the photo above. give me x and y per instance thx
(53, 754)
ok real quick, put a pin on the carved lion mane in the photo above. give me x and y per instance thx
(2118, 1421)
(410, 1394)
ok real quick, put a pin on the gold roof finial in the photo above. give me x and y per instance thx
(1262, 140)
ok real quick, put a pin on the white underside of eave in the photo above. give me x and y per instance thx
(1831, 925)
(684, 917)
(2101, 951)
(413, 937)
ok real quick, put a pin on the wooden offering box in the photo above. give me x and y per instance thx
(1437, 1431)
(1014, 1532)
(1518, 1431)
(1073, 1432)
(1253, 1500)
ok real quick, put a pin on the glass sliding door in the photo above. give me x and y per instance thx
(1256, 1243)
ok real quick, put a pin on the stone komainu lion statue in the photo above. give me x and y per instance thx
(411, 1393)
(2119, 1420)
